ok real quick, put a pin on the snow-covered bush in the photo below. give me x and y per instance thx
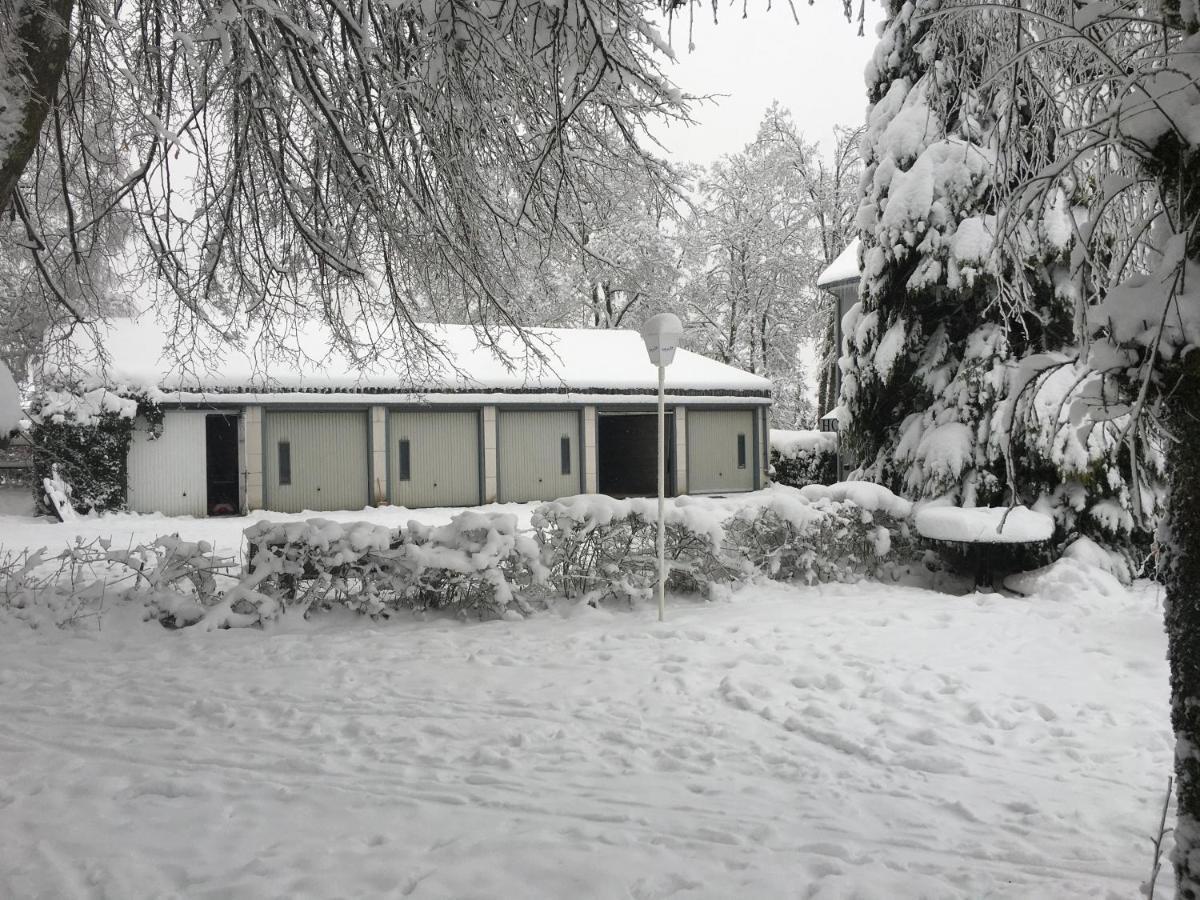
(600, 548)
(478, 562)
(589, 547)
(804, 457)
(829, 533)
(171, 580)
(86, 433)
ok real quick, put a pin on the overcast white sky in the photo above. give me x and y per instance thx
(814, 68)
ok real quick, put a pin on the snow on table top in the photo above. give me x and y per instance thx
(843, 268)
(570, 360)
(982, 525)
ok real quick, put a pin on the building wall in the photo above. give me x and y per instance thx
(329, 459)
(847, 295)
(590, 458)
(528, 450)
(347, 458)
(170, 473)
(379, 455)
(712, 462)
(252, 449)
(681, 454)
(444, 461)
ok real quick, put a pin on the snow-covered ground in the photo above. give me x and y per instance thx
(861, 741)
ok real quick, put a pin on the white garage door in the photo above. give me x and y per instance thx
(169, 473)
(315, 460)
(537, 454)
(433, 458)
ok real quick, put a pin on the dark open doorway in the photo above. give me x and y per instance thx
(627, 454)
(221, 445)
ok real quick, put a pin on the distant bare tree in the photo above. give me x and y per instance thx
(753, 249)
(362, 162)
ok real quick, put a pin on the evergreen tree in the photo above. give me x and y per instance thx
(938, 354)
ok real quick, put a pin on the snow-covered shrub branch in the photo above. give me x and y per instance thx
(803, 457)
(173, 580)
(599, 547)
(478, 562)
(602, 548)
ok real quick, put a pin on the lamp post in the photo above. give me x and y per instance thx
(661, 334)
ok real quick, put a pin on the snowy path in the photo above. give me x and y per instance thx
(846, 742)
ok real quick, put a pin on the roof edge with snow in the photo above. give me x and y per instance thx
(844, 269)
(572, 362)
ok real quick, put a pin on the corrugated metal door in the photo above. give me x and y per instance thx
(315, 460)
(433, 458)
(538, 454)
(169, 474)
(721, 449)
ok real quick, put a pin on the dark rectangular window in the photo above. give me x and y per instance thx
(741, 451)
(564, 453)
(285, 462)
(405, 461)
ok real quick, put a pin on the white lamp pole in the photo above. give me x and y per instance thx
(661, 334)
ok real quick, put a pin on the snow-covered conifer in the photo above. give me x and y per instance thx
(938, 390)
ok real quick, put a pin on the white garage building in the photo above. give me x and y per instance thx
(251, 434)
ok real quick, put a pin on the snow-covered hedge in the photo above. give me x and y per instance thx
(804, 457)
(590, 547)
(478, 562)
(599, 548)
(168, 579)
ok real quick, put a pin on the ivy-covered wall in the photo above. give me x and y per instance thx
(85, 435)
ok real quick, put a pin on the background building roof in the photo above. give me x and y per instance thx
(456, 361)
(843, 269)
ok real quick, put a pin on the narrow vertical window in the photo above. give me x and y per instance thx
(405, 461)
(564, 453)
(285, 462)
(741, 451)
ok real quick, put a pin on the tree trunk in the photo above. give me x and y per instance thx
(1183, 620)
(36, 56)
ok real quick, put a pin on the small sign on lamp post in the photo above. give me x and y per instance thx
(661, 334)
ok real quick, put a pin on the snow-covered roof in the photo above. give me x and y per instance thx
(571, 361)
(844, 268)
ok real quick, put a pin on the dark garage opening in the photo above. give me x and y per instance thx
(627, 454)
(221, 444)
